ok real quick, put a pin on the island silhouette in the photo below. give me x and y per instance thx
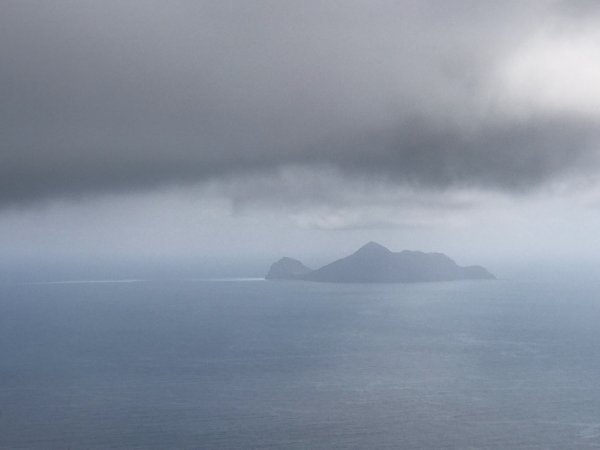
(374, 263)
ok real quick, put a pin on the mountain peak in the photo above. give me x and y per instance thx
(372, 248)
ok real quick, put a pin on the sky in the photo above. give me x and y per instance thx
(230, 133)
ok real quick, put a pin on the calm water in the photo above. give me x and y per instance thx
(254, 364)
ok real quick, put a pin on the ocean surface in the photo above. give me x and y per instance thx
(234, 364)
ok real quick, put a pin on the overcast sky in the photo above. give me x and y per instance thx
(222, 129)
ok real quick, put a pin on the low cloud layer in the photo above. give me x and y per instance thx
(115, 96)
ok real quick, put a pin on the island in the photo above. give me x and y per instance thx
(373, 263)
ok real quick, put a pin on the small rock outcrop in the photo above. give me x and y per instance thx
(287, 269)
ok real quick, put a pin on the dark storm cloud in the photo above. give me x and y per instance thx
(117, 96)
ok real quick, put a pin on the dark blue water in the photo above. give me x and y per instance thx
(250, 364)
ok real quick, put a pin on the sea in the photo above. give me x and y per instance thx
(253, 364)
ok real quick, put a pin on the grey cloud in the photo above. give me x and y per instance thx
(506, 155)
(120, 96)
(579, 8)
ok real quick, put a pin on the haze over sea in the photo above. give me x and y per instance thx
(230, 364)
